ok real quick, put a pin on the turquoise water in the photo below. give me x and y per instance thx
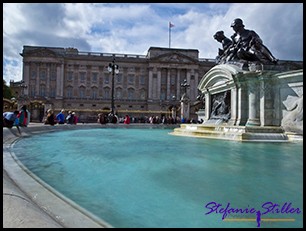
(132, 177)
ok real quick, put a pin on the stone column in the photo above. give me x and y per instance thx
(37, 80)
(196, 82)
(168, 85)
(60, 78)
(158, 83)
(26, 77)
(207, 105)
(150, 84)
(253, 104)
(267, 98)
(188, 81)
(48, 93)
(233, 118)
(242, 102)
(262, 103)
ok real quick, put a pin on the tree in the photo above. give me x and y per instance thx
(7, 91)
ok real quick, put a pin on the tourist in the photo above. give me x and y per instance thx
(60, 117)
(75, 118)
(69, 118)
(112, 118)
(115, 119)
(24, 116)
(50, 118)
(102, 118)
(127, 119)
(10, 118)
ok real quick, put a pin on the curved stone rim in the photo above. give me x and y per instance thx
(60, 208)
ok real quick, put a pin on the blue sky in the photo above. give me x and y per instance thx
(132, 28)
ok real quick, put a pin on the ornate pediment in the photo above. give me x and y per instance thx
(41, 52)
(174, 58)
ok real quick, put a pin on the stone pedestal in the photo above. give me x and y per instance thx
(259, 95)
(185, 107)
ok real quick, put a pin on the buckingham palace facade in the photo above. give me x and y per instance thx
(146, 85)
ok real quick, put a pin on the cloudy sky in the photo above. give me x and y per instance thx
(132, 28)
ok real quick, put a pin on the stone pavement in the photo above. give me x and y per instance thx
(20, 212)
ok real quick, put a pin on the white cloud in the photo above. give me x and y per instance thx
(133, 28)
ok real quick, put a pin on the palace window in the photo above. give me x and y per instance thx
(69, 92)
(82, 77)
(42, 74)
(94, 93)
(53, 75)
(94, 77)
(106, 78)
(162, 94)
(118, 93)
(42, 90)
(119, 78)
(142, 80)
(52, 92)
(82, 92)
(33, 74)
(131, 93)
(70, 76)
(172, 80)
(32, 91)
(107, 93)
(142, 94)
(130, 79)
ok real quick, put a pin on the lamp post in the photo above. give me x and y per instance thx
(185, 85)
(114, 69)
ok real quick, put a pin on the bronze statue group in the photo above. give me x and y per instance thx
(244, 45)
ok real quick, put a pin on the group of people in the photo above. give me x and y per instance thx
(244, 45)
(60, 118)
(126, 119)
(21, 118)
(17, 118)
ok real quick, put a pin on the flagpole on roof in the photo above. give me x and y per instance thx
(170, 25)
(169, 34)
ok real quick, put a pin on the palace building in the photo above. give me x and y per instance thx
(146, 85)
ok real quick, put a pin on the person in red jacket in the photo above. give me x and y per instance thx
(127, 119)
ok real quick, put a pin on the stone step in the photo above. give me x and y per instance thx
(238, 133)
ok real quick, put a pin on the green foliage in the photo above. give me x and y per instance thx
(7, 92)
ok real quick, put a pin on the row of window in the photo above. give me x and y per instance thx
(81, 93)
(107, 77)
(43, 74)
(94, 77)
